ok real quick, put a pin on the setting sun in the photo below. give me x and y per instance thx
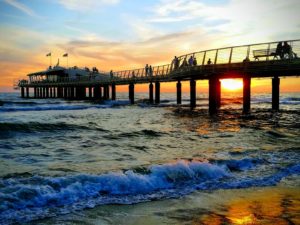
(232, 84)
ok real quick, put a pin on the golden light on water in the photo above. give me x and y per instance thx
(232, 84)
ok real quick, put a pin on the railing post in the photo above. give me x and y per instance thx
(248, 52)
(269, 45)
(203, 61)
(230, 56)
(216, 57)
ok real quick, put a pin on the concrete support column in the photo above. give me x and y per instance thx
(47, 92)
(192, 93)
(35, 92)
(59, 92)
(51, 93)
(90, 92)
(106, 91)
(54, 92)
(179, 95)
(275, 92)
(131, 93)
(65, 92)
(97, 92)
(246, 94)
(22, 92)
(72, 92)
(151, 93)
(27, 92)
(113, 92)
(212, 95)
(44, 92)
(38, 93)
(157, 92)
(218, 93)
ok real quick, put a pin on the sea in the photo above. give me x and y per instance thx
(110, 162)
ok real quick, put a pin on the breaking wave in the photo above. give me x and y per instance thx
(28, 198)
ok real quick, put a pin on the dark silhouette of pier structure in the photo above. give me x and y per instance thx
(245, 62)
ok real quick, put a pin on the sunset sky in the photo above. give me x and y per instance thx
(125, 34)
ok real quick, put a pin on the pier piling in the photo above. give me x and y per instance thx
(178, 87)
(157, 92)
(131, 93)
(275, 92)
(151, 93)
(192, 93)
(246, 94)
(113, 91)
(212, 95)
(22, 92)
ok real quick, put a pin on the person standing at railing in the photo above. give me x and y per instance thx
(279, 50)
(191, 61)
(195, 62)
(146, 69)
(111, 74)
(209, 62)
(287, 50)
(184, 63)
(175, 63)
(150, 71)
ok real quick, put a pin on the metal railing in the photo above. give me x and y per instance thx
(213, 57)
(228, 55)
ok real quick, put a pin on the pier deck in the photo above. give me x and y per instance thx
(233, 62)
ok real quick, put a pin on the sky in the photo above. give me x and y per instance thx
(126, 34)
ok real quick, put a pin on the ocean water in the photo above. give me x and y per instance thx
(109, 162)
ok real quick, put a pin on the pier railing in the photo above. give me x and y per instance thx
(263, 52)
(214, 57)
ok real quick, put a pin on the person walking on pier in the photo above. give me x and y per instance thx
(146, 69)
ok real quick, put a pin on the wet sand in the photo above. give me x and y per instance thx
(278, 205)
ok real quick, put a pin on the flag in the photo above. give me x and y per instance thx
(65, 55)
(49, 54)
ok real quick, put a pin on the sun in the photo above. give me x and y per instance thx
(232, 84)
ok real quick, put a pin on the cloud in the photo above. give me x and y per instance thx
(87, 5)
(21, 7)
(238, 20)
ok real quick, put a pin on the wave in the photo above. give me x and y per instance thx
(32, 127)
(24, 199)
(14, 106)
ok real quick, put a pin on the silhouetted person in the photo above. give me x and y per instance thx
(111, 74)
(286, 49)
(279, 50)
(175, 62)
(209, 62)
(184, 63)
(191, 60)
(150, 71)
(146, 69)
(195, 61)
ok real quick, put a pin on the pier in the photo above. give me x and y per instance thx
(246, 62)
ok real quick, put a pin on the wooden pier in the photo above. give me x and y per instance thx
(245, 62)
